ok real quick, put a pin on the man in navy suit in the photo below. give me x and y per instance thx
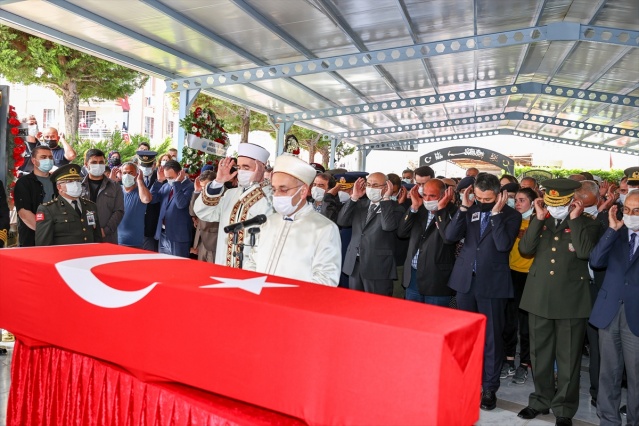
(616, 312)
(174, 225)
(481, 275)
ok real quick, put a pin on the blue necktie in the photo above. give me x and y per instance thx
(631, 245)
(484, 222)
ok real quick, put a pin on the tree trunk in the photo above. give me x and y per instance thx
(71, 100)
(246, 125)
(326, 154)
(312, 147)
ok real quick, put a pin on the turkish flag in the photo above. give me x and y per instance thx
(124, 103)
(325, 355)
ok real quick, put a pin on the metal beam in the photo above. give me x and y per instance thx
(186, 100)
(489, 92)
(478, 119)
(561, 31)
(496, 132)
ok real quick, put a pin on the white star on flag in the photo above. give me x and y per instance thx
(252, 285)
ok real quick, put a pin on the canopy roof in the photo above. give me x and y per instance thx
(382, 74)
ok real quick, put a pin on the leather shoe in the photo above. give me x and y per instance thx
(563, 421)
(488, 400)
(529, 413)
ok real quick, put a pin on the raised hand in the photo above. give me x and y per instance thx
(197, 185)
(449, 195)
(466, 201)
(402, 196)
(334, 190)
(577, 207)
(359, 189)
(224, 170)
(161, 177)
(115, 174)
(540, 210)
(612, 219)
(415, 199)
(500, 202)
(258, 175)
(389, 189)
(181, 176)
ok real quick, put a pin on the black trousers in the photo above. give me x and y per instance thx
(517, 320)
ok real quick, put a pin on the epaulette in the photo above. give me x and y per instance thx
(48, 203)
(87, 200)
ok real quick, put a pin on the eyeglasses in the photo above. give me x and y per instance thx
(633, 212)
(284, 191)
(374, 186)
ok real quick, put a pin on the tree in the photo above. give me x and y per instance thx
(237, 119)
(70, 73)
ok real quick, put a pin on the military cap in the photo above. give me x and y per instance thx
(559, 191)
(465, 183)
(510, 187)
(632, 174)
(146, 157)
(68, 172)
(335, 172)
(346, 180)
(207, 167)
(318, 167)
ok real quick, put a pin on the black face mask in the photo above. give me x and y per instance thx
(51, 143)
(485, 207)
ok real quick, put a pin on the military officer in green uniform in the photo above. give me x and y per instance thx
(557, 297)
(67, 219)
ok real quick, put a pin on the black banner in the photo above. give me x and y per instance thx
(469, 152)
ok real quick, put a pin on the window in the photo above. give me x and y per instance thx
(148, 101)
(169, 128)
(48, 119)
(148, 126)
(88, 117)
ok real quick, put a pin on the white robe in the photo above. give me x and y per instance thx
(222, 213)
(307, 248)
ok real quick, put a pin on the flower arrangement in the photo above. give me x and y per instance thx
(15, 149)
(203, 124)
(206, 140)
(193, 160)
(292, 145)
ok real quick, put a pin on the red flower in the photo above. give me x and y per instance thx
(19, 149)
(15, 172)
(198, 112)
(18, 162)
(12, 113)
(14, 122)
(11, 108)
(18, 140)
(198, 134)
(209, 162)
(14, 131)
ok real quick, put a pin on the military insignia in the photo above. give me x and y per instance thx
(567, 231)
(73, 170)
(634, 176)
(39, 217)
(145, 157)
(553, 193)
(571, 248)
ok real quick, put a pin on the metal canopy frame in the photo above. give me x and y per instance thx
(529, 68)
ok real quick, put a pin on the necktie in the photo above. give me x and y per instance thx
(76, 207)
(558, 223)
(371, 212)
(485, 216)
(171, 194)
(631, 245)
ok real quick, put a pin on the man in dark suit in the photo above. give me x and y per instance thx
(481, 275)
(557, 297)
(430, 256)
(175, 223)
(369, 261)
(616, 312)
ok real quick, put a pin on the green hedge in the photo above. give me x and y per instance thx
(613, 175)
(126, 149)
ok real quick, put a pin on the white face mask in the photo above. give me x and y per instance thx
(406, 180)
(244, 178)
(163, 163)
(560, 212)
(170, 181)
(128, 180)
(622, 198)
(96, 169)
(471, 197)
(46, 165)
(631, 222)
(73, 189)
(374, 194)
(420, 191)
(431, 205)
(592, 210)
(146, 171)
(283, 204)
(317, 193)
(526, 215)
(343, 196)
(511, 202)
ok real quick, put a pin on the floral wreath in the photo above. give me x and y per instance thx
(16, 148)
(202, 123)
(292, 145)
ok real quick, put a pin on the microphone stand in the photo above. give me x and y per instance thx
(253, 231)
(238, 249)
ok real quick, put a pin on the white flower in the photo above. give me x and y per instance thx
(205, 115)
(193, 129)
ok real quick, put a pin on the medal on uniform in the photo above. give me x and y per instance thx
(90, 218)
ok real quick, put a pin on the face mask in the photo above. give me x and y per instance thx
(317, 193)
(406, 180)
(559, 213)
(485, 207)
(114, 162)
(170, 181)
(631, 222)
(592, 210)
(343, 196)
(511, 202)
(45, 165)
(284, 204)
(471, 197)
(128, 181)
(96, 169)
(431, 205)
(374, 194)
(51, 143)
(393, 197)
(147, 171)
(420, 191)
(244, 178)
(163, 163)
(526, 215)
(74, 189)
(622, 198)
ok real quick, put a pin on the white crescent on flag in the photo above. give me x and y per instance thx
(78, 276)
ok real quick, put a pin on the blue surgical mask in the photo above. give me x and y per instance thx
(45, 165)
(526, 215)
(511, 202)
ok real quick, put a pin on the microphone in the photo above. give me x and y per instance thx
(257, 220)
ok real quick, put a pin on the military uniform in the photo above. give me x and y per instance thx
(57, 222)
(558, 299)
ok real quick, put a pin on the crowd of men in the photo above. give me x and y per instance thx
(547, 263)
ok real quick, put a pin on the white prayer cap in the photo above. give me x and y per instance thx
(253, 151)
(293, 166)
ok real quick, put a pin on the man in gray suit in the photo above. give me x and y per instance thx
(370, 262)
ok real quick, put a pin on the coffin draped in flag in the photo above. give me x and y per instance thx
(320, 354)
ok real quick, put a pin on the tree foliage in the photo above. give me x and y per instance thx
(611, 175)
(74, 75)
(126, 148)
